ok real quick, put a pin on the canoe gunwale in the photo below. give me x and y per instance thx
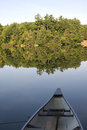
(31, 118)
(55, 95)
(73, 113)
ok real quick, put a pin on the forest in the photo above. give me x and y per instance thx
(47, 44)
(44, 32)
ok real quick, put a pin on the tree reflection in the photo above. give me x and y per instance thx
(44, 59)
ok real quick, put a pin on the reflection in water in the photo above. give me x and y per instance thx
(22, 91)
(43, 58)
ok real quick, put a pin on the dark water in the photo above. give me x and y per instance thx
(23, 91)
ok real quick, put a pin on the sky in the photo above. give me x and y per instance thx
(25, 10)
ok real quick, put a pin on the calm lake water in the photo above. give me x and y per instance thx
(23, 91)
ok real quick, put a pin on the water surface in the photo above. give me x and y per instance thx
(23, 91)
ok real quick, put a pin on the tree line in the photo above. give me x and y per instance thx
(47, 31)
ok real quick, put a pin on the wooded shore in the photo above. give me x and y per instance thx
(45, 31)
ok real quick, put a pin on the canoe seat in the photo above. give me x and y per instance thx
(55, 110)
(33, 126)
(56, 114)
(77, 128)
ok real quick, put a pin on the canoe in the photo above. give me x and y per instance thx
(56, 114)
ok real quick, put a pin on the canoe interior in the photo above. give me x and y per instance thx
(55, 115)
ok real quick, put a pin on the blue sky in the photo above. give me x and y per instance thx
(25, 10)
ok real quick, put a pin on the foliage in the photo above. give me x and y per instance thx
(60, 31)
(43, 58)
(46, 44)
